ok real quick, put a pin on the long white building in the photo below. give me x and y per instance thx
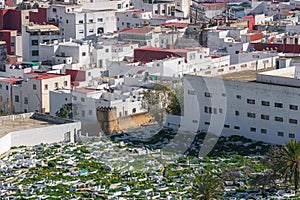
(257, 104)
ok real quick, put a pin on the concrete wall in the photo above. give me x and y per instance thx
(5, 143)
(49, 134)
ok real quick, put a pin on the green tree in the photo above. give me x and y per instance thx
(290, 163)
(175, 106)
(206, 187)
(63, 112)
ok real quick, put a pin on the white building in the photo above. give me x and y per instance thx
(85, 100)
(79, 23)
(260, 105)
(33, 35)
(32, 93)
(143, 36)
(31, 129)
(227, 42)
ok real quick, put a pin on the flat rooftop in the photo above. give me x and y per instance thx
(26, 121)
(8, 125)
(243, 76)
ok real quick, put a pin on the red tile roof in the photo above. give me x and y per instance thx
(41, 76)
(11, 80)
(141, 31)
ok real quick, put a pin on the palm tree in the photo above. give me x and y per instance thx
(290, 154)
(206, 187)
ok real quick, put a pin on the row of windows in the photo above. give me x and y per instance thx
(46, 85)
(267, 117)
(208, 94)
(17, 99)
(252, 101)
(212, 110)
(254, 130)
(6, 87)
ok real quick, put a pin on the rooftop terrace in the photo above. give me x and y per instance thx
(243, 76)
(25, 121)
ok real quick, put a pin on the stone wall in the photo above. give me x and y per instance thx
(109, 122)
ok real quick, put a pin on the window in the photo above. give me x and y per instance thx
(278, 119)
(209, 109)
(6, 87)
(250, 101)
(263, 131)
(83, 113)
(83, 54)
(134, 110)
(291, 135)
(252, 129)
(195, 121)
(106, 50)
(35, 53)
(82, 99)
(215, 111)
(91, 20)
(119, 6)
(220, 110)
(278, 105)
(226, 126)
(90, 112)
(207, 123)
(223, 95)
(17, 98)
(67, 21)
(280, 134)
(265, 103)
(207, 94)
(100, 63)
(56, 85)
(74, 98)
(265, 117)
(237, 113)
(192, 56)
(80, 31)
(293, 107)
(91, 31)
(65, 83)
(34, 86)
(100, 20)
(80, 22)
(205, 109)
(46, 87)
(251, 115)
(191, 92)
(25, 100)
(292, 121)
(34, 42)
(237, 127)
(54, 10)
(0, 86)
